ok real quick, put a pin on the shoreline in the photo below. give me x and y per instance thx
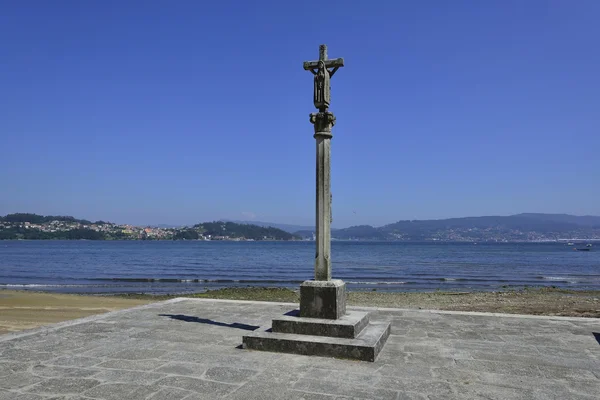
(26, 309)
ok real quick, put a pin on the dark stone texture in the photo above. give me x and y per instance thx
(365, 347)
(323, 299)
(348, 326)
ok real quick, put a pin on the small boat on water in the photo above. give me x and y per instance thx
(582, 249)
(589, 245)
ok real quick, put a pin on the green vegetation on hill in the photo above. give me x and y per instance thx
(40, 219)
(246, 231)
(36, 234)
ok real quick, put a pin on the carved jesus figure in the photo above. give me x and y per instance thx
(322, 93)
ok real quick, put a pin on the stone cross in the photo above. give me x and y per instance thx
(323, 122)
(320, 69)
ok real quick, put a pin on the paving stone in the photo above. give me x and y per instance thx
(18, 380)
(189, 369)
(137, 354)
(491, 392)
(343, 388)
(368, 379)
(558, 372)
(400, 383)
(137, 377)
(197, 385)
(76, 397)
(74, 361)
(297, 395)
(46, 371)
(266, 390)
(249, 360)
(229, 375)
(429, 359)
(11, 367)
(499, 368)
(64, 386)
(411, 396)
(167, 393)
(23, 355)
(408, 371)
(19, 396)
(120, 391)
(134, 365)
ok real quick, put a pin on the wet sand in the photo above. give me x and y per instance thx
(21, 310)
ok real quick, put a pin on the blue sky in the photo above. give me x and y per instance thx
(152, 112)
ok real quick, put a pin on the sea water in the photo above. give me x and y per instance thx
(162, 267)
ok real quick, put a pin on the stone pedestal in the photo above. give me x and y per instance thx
(365, 346)
(323, 299)
(322, 327)
(351, 336)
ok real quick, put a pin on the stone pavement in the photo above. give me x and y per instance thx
(188, 349)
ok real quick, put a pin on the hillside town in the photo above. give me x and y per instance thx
(36, 227)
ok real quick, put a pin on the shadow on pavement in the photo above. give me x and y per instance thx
(188, 318)
(597, 336)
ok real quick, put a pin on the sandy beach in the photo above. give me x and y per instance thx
(21, 310)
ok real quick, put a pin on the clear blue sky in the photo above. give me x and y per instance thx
(176, 112)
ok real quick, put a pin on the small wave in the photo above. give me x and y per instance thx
(553, 278)
(22, 285)
(195, 280)
(378, 283)
(559, 279)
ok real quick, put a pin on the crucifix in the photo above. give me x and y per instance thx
(323, 69)
(322, 73)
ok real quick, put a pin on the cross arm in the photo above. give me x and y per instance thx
(333, 63)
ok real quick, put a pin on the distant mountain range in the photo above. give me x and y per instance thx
(514, 228)
(520, 227)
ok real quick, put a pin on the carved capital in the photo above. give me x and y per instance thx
(323, 122)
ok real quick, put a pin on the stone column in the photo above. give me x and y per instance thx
(323, 297)
(323, 122)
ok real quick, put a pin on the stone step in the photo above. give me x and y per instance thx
(365, 347)
(348, 326)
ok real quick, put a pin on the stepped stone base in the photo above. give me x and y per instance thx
(348, 326)
(322, 327)
(365, 347)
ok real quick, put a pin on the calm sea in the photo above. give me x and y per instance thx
(194, 266)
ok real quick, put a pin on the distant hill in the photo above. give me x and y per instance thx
(40, 219)
(284, 227)
(585, 220)
(247, 231)
(520, 227)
